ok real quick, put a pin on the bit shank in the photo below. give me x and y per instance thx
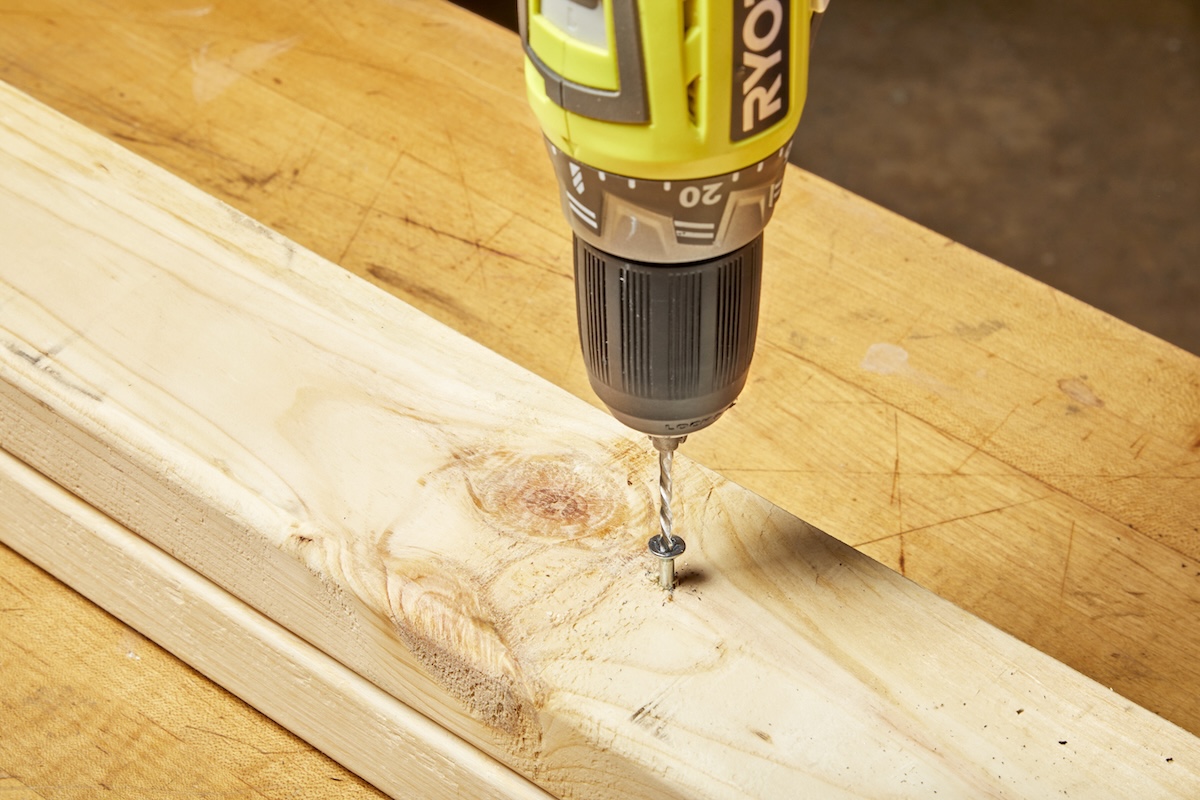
(666, 546)
(665, 489)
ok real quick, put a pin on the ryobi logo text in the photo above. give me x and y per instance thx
(761, 65)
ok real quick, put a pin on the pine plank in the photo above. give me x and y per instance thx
(343, 715)
(1033, 460)
(471, 540)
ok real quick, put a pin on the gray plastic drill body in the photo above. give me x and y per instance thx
(668, 222)
(668, 276)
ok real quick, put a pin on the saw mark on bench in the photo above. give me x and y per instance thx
(370, 208)
(897, 498)
(1062, 586)
(241, 742)
(896, 464)
(978, 448)
(960, 518)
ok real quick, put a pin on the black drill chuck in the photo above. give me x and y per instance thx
(668, 346)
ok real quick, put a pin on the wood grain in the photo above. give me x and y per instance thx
(471, 540)
(341, 714)
(93, 708)
(1023, 455)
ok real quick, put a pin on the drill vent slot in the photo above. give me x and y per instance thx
(592, 310)
(658, 361)
(737, 317)
(683, 346)
(634, 303)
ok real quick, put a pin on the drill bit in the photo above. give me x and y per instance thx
(666, 546)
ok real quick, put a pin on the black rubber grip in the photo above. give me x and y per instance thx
(668, 344)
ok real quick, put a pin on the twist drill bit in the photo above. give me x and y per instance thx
(666, 546)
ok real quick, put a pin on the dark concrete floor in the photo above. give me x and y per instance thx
(1060, 138)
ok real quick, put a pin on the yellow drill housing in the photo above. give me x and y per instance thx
(710, 73)
(668, 124)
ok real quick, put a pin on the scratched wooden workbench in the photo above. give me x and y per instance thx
(1022, 454)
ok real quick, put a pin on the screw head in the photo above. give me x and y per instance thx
(660, 548)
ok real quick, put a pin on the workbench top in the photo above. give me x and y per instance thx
(1026, 456)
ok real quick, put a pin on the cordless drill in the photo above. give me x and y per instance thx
(668, 123)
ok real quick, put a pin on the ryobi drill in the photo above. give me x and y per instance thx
(668, 123)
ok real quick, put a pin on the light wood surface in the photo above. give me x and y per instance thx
(1019, 453)
(469, 537)
(93, 708)
(343, 715)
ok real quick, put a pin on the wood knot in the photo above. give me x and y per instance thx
(561, 497)
(554, 505)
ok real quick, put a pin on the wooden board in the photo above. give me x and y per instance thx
(309, 693)
(1005, 446)
(471, 540)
